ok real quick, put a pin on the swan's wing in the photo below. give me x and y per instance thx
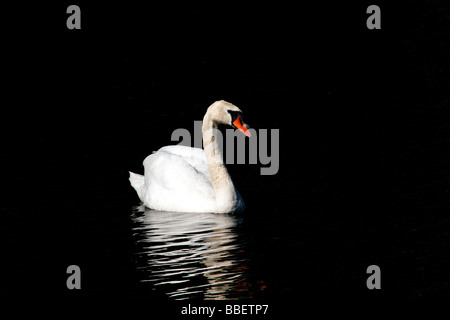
(180, 170)
(194, 156)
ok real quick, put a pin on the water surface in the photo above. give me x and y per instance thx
(191, 255)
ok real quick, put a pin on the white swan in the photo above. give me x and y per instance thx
(179, 178)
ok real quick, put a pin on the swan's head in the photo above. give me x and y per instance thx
(227, 113)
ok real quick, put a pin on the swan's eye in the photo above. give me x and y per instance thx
(235, 115)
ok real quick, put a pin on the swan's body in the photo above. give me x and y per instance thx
(180, 178)
(177, 178)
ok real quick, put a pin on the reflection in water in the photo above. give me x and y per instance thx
(191, 255)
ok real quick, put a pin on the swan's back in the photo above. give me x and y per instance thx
(177, 179)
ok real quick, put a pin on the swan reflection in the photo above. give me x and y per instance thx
(191, 255)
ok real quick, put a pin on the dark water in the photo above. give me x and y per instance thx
(364, 157)
(192, 255)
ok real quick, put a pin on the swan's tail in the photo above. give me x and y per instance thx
(137, 182)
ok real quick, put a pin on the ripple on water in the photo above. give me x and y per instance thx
(191, 255)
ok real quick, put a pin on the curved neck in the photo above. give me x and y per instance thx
(222, 183)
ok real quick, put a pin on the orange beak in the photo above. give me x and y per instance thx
(241, 126)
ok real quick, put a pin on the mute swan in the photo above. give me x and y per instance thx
(180, 178)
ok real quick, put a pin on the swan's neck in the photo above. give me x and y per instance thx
(221, 180)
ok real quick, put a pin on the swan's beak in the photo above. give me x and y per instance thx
(238, 123)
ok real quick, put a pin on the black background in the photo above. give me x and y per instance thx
(364, 130)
